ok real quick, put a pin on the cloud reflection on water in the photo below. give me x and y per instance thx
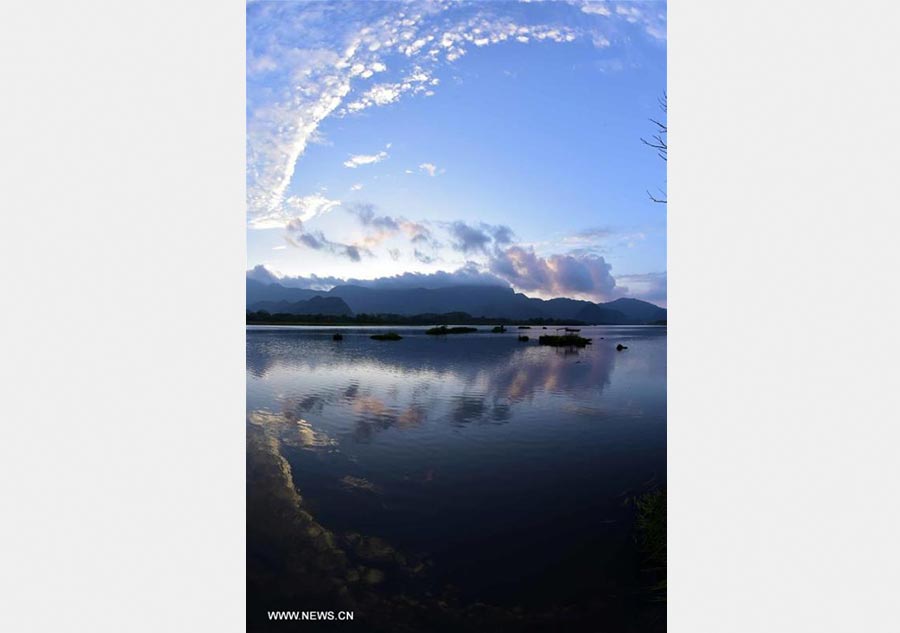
(466, 381)
(291, 430)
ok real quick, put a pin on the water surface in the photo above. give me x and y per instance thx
(465, 468)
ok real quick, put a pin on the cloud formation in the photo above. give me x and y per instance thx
(418, 82)
(301, 208)
(297, 235)
(263, 274)
(307, 62)
(428, 168)
(650, 287)
(468, 239)
(601, 240)
(558, 275)
(424, 257)
(468, 275)
(365, 159)
(581, 272)
(589, 235)
(501, 233)
(595, 8)
(384, 227)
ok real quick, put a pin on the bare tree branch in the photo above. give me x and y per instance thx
(655, 199)
(659, 143)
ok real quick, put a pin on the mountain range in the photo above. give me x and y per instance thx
(478, 301)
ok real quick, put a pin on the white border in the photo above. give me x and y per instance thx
(783, 399)
(122, 455)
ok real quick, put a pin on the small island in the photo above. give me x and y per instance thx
(499, 329)
(388, 336)
(443, 329)
(569, 340)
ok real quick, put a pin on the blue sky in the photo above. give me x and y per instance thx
(499, 141)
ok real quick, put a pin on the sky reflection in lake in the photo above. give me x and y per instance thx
(505, 465)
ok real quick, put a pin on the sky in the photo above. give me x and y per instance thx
(428, 143)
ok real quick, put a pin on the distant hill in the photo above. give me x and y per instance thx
(475, 300)
(317, 305)
(637, 309)
(258, 291)
(478, 301)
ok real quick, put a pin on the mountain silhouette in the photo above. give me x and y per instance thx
(478, 301)
(334, 306)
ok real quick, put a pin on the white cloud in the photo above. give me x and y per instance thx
(429, 168)
(630, 13)
(356, 187)
(416, 82)
(595, 8)
(383, 94)
(302, 208)
(264, 274)
(306, 62)
(647, 286)
(261, 64)
(365, 159)
(308, 207)
(586, 276)
(589, 236)
(657, 31)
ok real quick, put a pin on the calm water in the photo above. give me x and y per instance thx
(476, 466)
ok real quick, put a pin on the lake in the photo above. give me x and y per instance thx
(447, 482)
